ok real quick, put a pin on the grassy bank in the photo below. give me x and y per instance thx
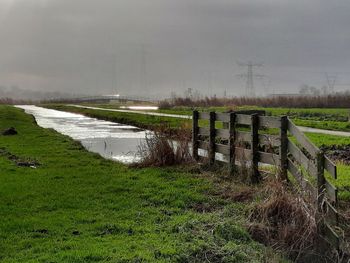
(77, 207)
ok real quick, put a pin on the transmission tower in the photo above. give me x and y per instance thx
(331, 80)
(250, 76)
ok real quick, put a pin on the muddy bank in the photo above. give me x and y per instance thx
(19, 161)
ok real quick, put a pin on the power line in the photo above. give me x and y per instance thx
(250, 76)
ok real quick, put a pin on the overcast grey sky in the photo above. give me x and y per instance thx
(153, 47)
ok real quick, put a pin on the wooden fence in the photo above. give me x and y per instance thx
(277, 141)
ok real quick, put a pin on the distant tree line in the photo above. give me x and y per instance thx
(337, 100)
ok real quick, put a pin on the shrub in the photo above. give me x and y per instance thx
(162, 149)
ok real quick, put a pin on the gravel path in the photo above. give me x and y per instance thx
(330, 132)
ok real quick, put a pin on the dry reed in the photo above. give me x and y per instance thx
(302, 101)
(161, 149)
(284, 221)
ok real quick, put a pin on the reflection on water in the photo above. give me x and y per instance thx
(111, 140)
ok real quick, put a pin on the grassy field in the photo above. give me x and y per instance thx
(77, 207)
(141, 120)
(329, 119)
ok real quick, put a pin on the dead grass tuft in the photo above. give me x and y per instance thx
(284, 221)
(160, 149)
(244, 196)
(338, 100)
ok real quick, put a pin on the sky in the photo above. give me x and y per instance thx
(155, 47)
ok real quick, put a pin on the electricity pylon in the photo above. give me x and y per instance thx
(250, 76)
(331, 80)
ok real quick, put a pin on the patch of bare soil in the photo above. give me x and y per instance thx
(9, 132)
(338, 153)
(19, 161)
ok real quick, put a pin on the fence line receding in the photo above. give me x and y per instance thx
(252, 139)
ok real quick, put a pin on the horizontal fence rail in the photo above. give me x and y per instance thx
(250, 138)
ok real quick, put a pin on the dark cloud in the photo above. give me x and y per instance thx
(154, 47)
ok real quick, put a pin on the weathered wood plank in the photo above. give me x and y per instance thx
(293, 169)
(321, 180)
(302, 159)
(221, 148)
(231, 143)
(254, 146)
(224, 117)
(303, 183)
(332, 192)
(203, 145)
(224, 134)
(330, 167)
(331, 236)
(212, 138)
(283, 154)
(269, 140)
(243, 136)
(250, 112)
(195, 135)
(264, 139)
(268, 158)
(302, 139)
(269, 122)
(223, 162)
(243, 154)
(331, 214)
(204, 115)
(243, 119)
(203, 131)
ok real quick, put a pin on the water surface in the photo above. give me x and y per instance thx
(109, 139)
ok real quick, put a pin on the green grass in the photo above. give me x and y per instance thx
(327, 140)
(343, 181)
(77, 207)
(138, 120)
(329, 119)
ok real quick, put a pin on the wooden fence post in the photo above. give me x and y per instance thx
(255, 177)
(211, 153)
(231, 142)
(195, 138)
(284, 149)
(321, 180)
